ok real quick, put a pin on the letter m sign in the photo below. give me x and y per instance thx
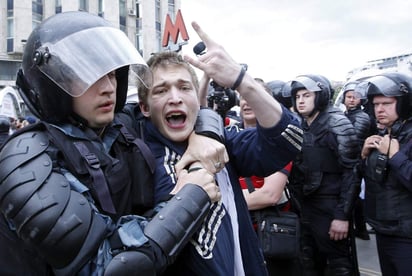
(172, 30)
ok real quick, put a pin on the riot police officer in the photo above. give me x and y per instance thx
(354, 103)
(72, 186)
(387, 170)
(323, 178)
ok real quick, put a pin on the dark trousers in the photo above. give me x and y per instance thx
(395, 255)
(320, 254)
(359, 215)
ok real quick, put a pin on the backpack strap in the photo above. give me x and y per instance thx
(144, 149)
(99, 181)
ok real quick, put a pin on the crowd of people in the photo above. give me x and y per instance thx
(168, 186)
(354, 169)
(8, 125)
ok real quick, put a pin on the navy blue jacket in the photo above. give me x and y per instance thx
(254, 151)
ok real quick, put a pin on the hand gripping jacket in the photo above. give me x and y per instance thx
(61, 225)
(388, 198)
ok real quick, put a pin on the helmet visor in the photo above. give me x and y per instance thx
(308, 83)
(79, 60)
(361, 90)
(384, 86)
(349, 86)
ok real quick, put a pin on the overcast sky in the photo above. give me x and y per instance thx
(280, 39)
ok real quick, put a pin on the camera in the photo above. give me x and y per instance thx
(221, 99)
(381, 167)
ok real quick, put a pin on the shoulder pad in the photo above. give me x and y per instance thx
(22, 182)
(20, 149)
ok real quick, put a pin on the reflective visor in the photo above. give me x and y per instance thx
(349, 86)
(308, 83)
(361, 90)
(384, 85)
(82, 58)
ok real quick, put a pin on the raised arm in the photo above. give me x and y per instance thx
(220, 66)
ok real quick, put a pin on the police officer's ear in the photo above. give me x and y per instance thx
(145, 109)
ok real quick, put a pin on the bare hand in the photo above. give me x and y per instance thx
(217, 64)
(372, 142)
(338, 229)
(215, 61)
(201, 177)
(207, 151)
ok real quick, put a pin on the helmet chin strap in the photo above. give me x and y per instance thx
(29, 96)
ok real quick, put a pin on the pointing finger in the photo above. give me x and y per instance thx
(203, 36)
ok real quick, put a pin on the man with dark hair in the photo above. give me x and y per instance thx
(323, 178)
(361, 122)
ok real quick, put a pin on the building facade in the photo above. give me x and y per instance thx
(142, 20)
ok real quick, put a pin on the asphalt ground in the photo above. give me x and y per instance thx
(368, 257)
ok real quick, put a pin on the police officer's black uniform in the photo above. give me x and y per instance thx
(388, 194)
(65, 191)
(324, 180)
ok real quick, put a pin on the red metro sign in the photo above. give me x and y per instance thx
(172, 31)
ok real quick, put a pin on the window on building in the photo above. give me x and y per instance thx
(83, 5)
(157, 14)
(171, 10)
(158, 24)
(101, 8)
(10, 7)
(139, 43)
(37, 12)
(138, 21)
(8, 69)
(159, 41)
(10, 26)
(58, 6)
(122, 15)
(138, 9)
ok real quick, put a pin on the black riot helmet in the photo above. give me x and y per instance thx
(315, 83)
(351, 86)
(66, 54)
(394, 84)
(275, 87)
